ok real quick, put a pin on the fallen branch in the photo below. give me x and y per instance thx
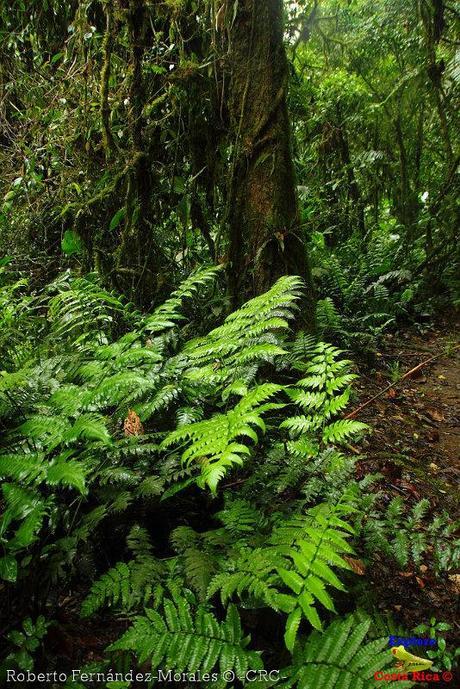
(392, 385)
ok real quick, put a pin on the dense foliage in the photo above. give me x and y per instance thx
(119, 141)
(124, 419)
(211, 210)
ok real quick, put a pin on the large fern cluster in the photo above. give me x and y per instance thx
(70, 397)
(278, 562)
(292, 567)
(361, 292)
(132, 415)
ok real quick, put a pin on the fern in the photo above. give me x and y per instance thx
(168, 314)
(246, 338)
(308, 550)
(80, 304)
(240, 517)
(124, 586)
(68, 473)
(341, 431)
(323, 393)
(197, 559)
(185, 640)
(328, 318)
(291, 571)
(22, 505)
(404, 535)
(337, 658)
(213, 443)
(127, 585)
(250, 576)
(240, 396)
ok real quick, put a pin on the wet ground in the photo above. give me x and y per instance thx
(415, 446)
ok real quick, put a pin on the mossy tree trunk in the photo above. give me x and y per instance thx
(138, 257)
(265, 235)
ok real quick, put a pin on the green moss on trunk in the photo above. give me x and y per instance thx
(265, 237)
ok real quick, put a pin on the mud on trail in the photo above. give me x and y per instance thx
(415, 445)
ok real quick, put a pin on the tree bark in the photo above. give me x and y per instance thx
(138, 257)
(432, 14)
(265, 235)
(407, 205)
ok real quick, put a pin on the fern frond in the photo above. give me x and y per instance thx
(239, 517)
(168, 314)
(250, 575)
(310, 550)
(124, 586)
(212, 443)
(187, 640)
(80, 304)
(343, 430)
(337, 658)
(68, 473)
(248, 336)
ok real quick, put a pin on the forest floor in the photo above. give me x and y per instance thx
(414, 444)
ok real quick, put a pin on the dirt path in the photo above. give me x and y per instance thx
(415, 445)
(416, 423)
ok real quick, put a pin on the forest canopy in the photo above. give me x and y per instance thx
(226, 226)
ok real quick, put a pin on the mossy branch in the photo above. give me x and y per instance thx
(107, 137)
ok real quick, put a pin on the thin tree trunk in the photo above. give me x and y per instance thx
(407, 204)
(108, 140)
(355, 206)
(139, 261)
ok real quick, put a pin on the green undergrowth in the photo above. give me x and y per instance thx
(193, 486)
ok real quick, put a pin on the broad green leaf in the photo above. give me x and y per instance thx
(117, 218)
(71, 243)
